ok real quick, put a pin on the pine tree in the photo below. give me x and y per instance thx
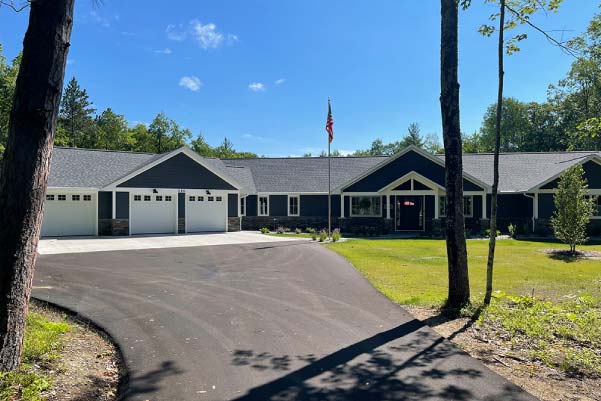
(76, 115)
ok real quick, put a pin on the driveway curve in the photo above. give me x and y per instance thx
(280, 321)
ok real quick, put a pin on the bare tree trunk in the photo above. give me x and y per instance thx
(495, 186)
(24, 177)
(459, 286)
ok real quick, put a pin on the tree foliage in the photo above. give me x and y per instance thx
(413, 137)
(573, 208)
(8, 78)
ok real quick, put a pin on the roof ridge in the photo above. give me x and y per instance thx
(301, 157)
(106, 150)
(565, 152)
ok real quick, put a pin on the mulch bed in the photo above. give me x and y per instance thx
(566, 254)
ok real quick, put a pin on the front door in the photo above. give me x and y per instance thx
(409, 213)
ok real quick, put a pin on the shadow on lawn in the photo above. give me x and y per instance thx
(408, 362)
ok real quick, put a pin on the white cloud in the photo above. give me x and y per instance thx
(193, 83)
(175, 32)
(253, 137)
(280, 81)
(206, 35)
(257, 87)
(164, 51)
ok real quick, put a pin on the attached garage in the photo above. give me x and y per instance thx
(69, 214)
(206, 212)
(153, 213)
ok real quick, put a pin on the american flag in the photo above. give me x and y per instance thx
(330, 123)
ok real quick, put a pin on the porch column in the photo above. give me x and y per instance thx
(114, 211)
(388, 206)
(341, 205)
(436, 205)
(484, 205)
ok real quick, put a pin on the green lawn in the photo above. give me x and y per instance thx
(415, 271)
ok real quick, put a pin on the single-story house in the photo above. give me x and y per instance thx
(96, 192)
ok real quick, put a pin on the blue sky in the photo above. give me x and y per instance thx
(260, 72)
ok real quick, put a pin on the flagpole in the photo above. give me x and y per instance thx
(329, 188)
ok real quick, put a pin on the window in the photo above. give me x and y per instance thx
(210, 198)
(263, 206)
(146, 198)
(192, 198)
(137, 198)
(201, 198)
(468, 206)
(159, 198)
(87, 198)
(62, 197)
(366, 206)
(75, 198)
(242, 206)
(293, 205)
(49, 197)
(168, 198)
(219, 199)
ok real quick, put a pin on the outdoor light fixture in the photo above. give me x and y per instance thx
(154, 191)
(208, 192)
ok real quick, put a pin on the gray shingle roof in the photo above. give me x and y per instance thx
(97, 168)
(519, 172)
(303, 174)
(92, 168)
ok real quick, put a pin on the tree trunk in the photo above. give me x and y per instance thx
(24, 177)
(495, 186)
(459, 287)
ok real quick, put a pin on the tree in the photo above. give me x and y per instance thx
(141, 138)
(158, 130)
(573, 209)
(76, 115)
(413, 137)
(202, 147)
(111, 131)
(459, 286)
(8, 79)
(24, 177)
(432, 144)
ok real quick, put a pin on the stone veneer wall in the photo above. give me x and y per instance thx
(233, 224)
(181, 225)
(113, 227)
(316, 222)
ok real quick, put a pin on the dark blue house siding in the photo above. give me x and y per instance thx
(122, 209)
(317, 205)
(251, 205)
(347, 206)
(232, 205)
(278, 205)
(180, 171)
(546, 206)
(410, 161)
(105, 205)
(514, 205)
(592, 173)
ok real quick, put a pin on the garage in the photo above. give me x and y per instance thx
(153, 213)
(206, 212)
(69, 214)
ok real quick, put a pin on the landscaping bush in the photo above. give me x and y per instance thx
(336, 235)
(264, 230)
(487, 232)
(280, 230)
(323, 235)
(314, 236)
(298, 231)
(512, 230)
(310, 230)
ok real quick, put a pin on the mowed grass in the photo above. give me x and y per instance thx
(414, 271)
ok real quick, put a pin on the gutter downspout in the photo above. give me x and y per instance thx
(533, 207)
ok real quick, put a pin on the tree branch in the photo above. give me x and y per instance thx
(11, 4)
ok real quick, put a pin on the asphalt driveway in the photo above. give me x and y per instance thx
(280, 321)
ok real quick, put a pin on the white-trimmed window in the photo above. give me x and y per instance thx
(87, 198)
(263, 205)
(293, 205)
(210, 198)
(219, 199)
(168, 198)
(49, 197)
(137, 198)
(242, 206)
(75, 198)
(200, 199)
(366, 206)
(192, 198)
(468, 206)
(159, 198)
(146, 198)
(62, 197)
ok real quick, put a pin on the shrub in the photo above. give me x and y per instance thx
(310, 230)
(314, 236)
(298, 231)
(264, 230)
(280, 230)
(512, 230)
(487, 232)
(323, 235)
(336, 235)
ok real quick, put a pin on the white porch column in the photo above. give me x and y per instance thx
(535, 206)
(436, 205)
(114, 211)
(484, 205)
(341, 205)
(388, 206)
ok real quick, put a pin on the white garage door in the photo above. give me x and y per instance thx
(68, 214)
(206, 212)
(153, 214)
